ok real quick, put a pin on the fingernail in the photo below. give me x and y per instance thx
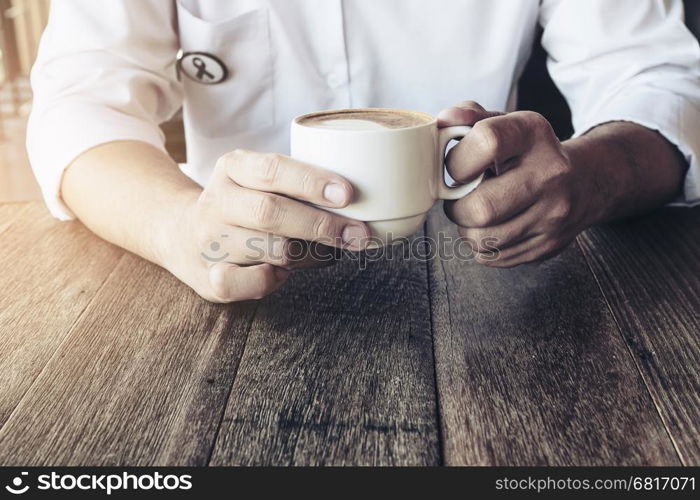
(281, 273)
(355, 236)
(335, 193)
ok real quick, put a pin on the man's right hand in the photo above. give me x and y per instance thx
(242, 231)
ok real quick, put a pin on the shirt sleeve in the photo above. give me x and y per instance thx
(628, 60)
(104, 72)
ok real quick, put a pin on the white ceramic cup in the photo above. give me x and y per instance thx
(397, 173)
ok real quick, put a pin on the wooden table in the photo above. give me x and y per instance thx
(590, 358)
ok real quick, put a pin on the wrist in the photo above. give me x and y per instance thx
(595, 184)
(630, 169)
(171, 232)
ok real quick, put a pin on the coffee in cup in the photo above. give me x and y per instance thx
(365, 119)
(393, 158)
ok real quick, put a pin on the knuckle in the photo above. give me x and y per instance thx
(470, 105)
(487, 137)
(280, 252)
(230, 159)
(558, 171)
(530, 185)
(221, 162)
(239, 155)
(535, 120)
(540, 126)
(481, 209)
(220, 287)
(485, 241)
(307, 182)
(474, 234)
(265, 211)
(494, 243)
(207, 200)
(323, 226)
(202, 239)
(548, 248)
(268, 168)
(464, 232)
(467, 238)
(561, 210)
(560, 163)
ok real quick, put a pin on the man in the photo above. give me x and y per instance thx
(105, 78)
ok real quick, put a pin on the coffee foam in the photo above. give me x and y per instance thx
(370, 119)
(347, 124)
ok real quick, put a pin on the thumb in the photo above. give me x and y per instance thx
(231, 283)
(465, 113)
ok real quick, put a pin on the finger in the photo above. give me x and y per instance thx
(271, 213)
(254, 247)
(534, 249)
(243, 246)
(312, 255)
(501, 236)
(465, 113)
(231, 283)
(491, 141)
(495, 201)
(275, 173)
(509, 257)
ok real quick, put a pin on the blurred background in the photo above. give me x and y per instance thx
(21, 25)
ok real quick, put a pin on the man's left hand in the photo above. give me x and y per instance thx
(536, 204)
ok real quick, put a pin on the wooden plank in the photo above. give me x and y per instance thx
(649, 270)
(47, 279)
(338, 370)
(142, 379)
(532, 370)
(11, 212)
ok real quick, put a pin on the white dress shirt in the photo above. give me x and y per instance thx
(106, 70)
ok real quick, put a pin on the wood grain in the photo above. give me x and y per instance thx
(46, 282)
(108, 360)
(11, 212)
(649, 270)
(142, 379)
(532, 369)
(338, 370)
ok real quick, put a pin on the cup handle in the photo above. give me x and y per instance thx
(445, 192)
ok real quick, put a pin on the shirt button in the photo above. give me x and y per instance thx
(335, 80)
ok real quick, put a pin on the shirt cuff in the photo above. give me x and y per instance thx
(670, 115)
(58, 135)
